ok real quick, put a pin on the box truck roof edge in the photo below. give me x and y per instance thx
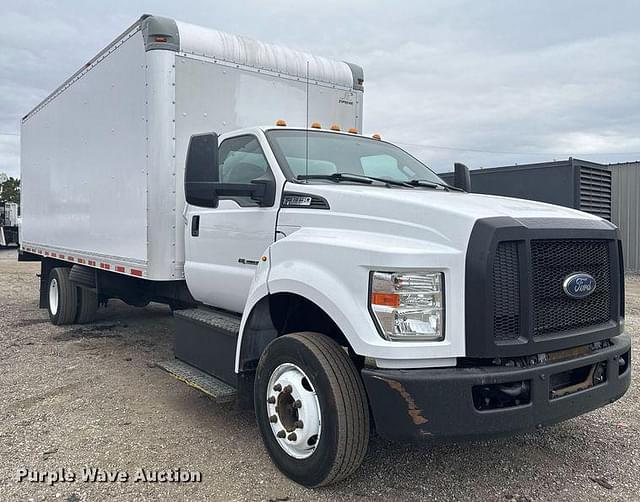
(165, 34)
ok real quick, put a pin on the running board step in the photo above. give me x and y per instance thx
(219, 391)
(222, 322)
(207, 339)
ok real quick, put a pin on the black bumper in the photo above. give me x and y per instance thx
(424, 403)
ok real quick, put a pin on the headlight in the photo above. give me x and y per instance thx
(408, 305)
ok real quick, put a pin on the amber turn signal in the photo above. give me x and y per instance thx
(386, 299)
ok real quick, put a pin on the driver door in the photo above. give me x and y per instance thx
(224, 244)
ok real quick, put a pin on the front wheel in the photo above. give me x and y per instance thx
(311, 408)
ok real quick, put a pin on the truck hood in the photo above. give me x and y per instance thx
(437, 216)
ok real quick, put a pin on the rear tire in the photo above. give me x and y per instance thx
(87, 306)
(308, 388)
(62, 297)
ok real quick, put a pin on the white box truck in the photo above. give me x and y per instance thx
(326, 279)
(8, 223)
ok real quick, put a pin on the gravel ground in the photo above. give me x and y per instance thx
(90, 396)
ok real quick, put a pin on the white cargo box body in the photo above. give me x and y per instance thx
(102, 158)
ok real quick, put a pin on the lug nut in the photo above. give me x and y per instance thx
(297, 404)
(299, 424)
(292, 436)
(288, 389)
(271, 400)
(273, 419)
(277, 387)
(282, 434)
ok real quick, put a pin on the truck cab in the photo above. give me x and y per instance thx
(462, 314)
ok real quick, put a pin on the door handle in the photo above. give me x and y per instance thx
(195, 225)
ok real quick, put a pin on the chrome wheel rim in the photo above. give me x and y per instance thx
(293, 411)
(54, 296)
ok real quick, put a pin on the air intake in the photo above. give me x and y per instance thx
(595, 191)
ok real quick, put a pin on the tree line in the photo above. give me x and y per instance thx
(10, 190)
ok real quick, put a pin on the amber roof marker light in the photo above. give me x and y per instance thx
(335, 127)
(281, 123)
(316, 125)
(353, 130)
(376, 136)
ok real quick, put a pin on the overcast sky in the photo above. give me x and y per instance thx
(485, 83)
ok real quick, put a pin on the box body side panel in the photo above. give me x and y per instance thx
(83, 162)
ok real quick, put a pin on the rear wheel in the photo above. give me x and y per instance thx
(311, 408)
(87, 306)
(63, 297)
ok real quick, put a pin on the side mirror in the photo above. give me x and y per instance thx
(202, 185)
(201, 170)
(262, 190)
(461, 177)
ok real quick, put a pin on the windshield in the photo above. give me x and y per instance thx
(335, 154)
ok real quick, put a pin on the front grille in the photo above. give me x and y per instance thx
(551, 262)
(515, 304)
(551, 310)
(506, 288)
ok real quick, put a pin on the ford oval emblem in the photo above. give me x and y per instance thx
(579, 285)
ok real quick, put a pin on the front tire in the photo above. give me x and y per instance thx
(62, 296)
(311, 409)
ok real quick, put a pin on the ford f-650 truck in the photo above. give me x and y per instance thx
(325, 278)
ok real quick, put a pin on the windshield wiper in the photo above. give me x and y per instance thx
(433, 184)
(337, 177)
(358, 178)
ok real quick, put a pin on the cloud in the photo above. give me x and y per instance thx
(485, 83)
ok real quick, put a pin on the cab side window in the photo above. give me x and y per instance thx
(241, 161)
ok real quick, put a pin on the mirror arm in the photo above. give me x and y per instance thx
(234, 189)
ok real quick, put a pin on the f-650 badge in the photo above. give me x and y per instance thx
(579, 285)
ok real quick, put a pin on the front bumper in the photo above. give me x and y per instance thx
(423, 403)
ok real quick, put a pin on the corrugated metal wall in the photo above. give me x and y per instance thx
(626, 210)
